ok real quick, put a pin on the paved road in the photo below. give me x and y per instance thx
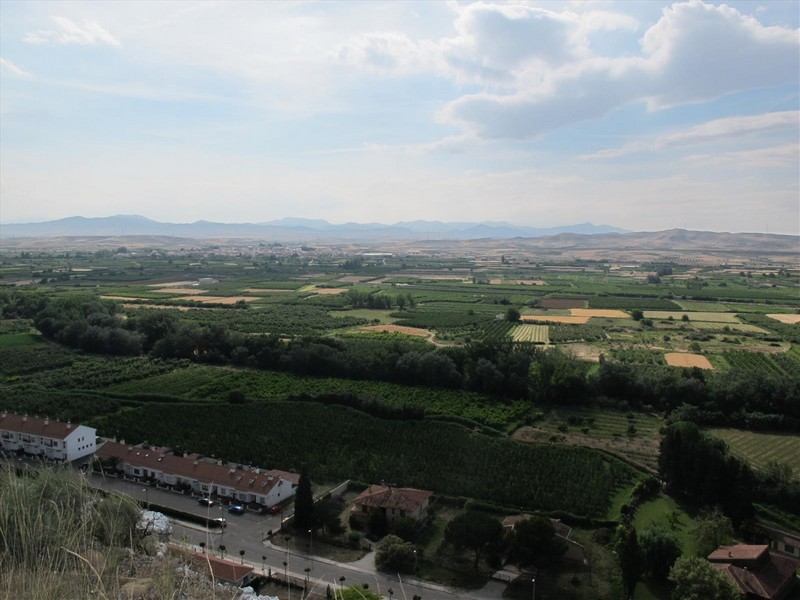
(248, 532)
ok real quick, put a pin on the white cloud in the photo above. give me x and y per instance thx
(711, 131)
(694, 53)
(786, 155)
(13, 69)
(69, 32)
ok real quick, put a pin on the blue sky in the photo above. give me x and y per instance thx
(644, 115)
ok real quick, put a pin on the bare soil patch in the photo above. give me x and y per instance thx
(495, 281)
(169, 284)
(561, 303)
(788, 319)
(584, 352)
(686, 359)
(329, 291)
(397, 329)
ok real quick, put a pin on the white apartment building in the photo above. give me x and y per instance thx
(53, 440)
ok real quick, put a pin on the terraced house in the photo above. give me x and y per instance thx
(202, 475)
(52, 440)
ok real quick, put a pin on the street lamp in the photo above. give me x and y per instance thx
(415, 561)
(533, 591)
(311, 546)
(146, 498)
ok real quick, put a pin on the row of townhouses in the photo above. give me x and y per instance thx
(53, 440)
(203, 476)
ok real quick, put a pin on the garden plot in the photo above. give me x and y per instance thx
(686, 359)
(562, 303)
(176, 290)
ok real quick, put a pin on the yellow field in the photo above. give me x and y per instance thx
(169, 284)
(397, 329)
(554, 319)
(684, 359)
(788, 319)
(495, 281)
(603, 313)
(329, 291)
(265, 291)
(713, 317)
(531, 333)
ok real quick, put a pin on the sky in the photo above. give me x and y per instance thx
(643, 115)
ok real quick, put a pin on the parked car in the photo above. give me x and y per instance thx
(274, 510)
(218, 522)
(236, 509)
(206, 502)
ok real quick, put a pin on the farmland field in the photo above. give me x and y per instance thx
(530, 333)
(683, 359)
(600, 313)
(716, 317)
(761, 448)
(397, 329)
(554, 319)
(787, 319)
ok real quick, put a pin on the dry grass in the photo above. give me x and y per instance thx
(159, 306)
(169, 284)
(788, 319)
(265, 291)
(330, 291)
(397, 329)
(179, 290)
(685, 359)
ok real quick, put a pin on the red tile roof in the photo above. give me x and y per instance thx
(224, 570)
(381, 496)
(256, 481)
(36, 426)
(765, 575)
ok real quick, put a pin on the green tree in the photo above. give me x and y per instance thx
(660, 550)
(512, 315)
(696, 579)
(304, 503)
(535, 542)
(711, 530)
(630, 558)
(474, 530)
(393, 554)
(637, 314)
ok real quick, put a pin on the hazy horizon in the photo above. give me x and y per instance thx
(644, 116)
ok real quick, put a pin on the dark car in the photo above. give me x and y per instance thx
(217, 523)
(236, 509)
(206, 502)
(274, 510)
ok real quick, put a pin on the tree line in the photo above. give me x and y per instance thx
(496, 367)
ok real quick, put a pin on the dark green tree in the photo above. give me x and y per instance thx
(660, 550)
(535, 542)
(512, 315)
(630, 558)
(304, 503)
(395, 555)
(474, 530)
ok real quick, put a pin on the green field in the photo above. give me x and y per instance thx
(664, 512)
(536, 334)
(713, 317)
(759, 449)
(14, 340)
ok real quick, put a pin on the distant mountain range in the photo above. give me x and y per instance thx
(291, 229)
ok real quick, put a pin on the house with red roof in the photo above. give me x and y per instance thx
(223, 570)
(393, 502)
(53, 440)
(758, 573)
(203, 476)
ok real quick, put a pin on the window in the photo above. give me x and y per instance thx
(788, 549)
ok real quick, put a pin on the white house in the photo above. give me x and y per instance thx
(53, 440)
(203, 476)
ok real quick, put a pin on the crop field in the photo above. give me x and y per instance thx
(562, 303)
(536, 334)
(787, 319)
(757, 362)
(725, 327)
(218, 299)
(554, 319)
(686, 359)
(759, 449)
(600, 313)
(715, 317)
(697, 306)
